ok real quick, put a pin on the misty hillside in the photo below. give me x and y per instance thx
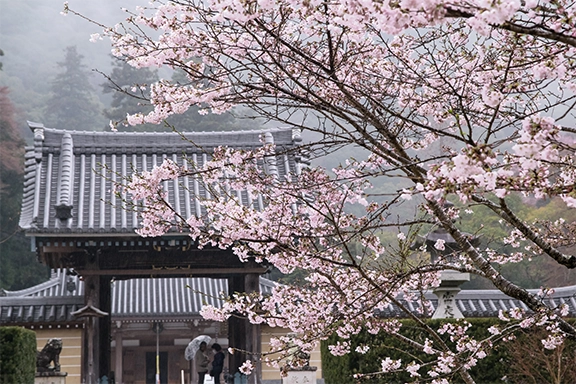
(33, 37)
(43, 49)
(49, 75)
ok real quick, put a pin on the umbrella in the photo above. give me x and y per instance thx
(194, 346)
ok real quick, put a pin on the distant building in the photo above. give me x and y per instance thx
(137, 306)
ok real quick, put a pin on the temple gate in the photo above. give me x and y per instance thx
(76, 220)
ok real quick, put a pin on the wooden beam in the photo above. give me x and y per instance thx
(175, 271)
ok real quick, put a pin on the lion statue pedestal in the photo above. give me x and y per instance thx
(301, 375)
(50, 378)
(48, 364)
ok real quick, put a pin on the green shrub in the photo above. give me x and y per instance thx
(17, 355)
(340, 369)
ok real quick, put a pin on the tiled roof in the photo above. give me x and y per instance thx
(34, 310)
(169, 297)
(60, 284)
(77, 169)
(488, 302)
(175, 298)
(52, 301)
(132, 300)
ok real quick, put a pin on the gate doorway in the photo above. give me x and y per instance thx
(151, 368)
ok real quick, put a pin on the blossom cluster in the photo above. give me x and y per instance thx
(470, 99)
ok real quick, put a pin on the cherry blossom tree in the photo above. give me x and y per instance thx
(464, 100)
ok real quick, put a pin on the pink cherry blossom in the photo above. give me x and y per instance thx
(467, 101)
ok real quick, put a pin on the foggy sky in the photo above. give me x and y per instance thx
(33, 37)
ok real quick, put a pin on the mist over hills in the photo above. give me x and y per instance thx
(34, 35)
(49, 75)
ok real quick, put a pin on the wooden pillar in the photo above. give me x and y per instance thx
(96, 345)
(253, 332)
(118, 355)
(236, 334)
(91, 355)
(243, 335)
(104, 327)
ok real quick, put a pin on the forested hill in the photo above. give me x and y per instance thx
(34, 36)
(49, 64)
(33, 40)
(18, 265)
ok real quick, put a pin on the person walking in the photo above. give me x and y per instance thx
(202, 361)
(217, 363)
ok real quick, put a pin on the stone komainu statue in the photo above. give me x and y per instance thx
(49, 354)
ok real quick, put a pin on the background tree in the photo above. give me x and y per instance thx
(194, 119)
(130, 88)
(14, 247)
(530, 273)
(464, 101)
(531, 362)
(73, 103)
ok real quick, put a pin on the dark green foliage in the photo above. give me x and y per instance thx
(14, 247)
(17, 355)
(73, 103)
(192, 120)
(297, 277)
(20, 267)
(337, 369)
(340, 370)
(129, 87)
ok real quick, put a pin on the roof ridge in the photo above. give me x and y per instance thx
(34, 125)
(30, 291)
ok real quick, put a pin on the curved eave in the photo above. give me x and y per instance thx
(135, 300)
(70, 176)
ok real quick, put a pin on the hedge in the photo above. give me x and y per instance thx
(17, 355)
(497, 367)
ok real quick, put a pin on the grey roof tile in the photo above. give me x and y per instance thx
(183, 297)
(132, 299)
(78, 168)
